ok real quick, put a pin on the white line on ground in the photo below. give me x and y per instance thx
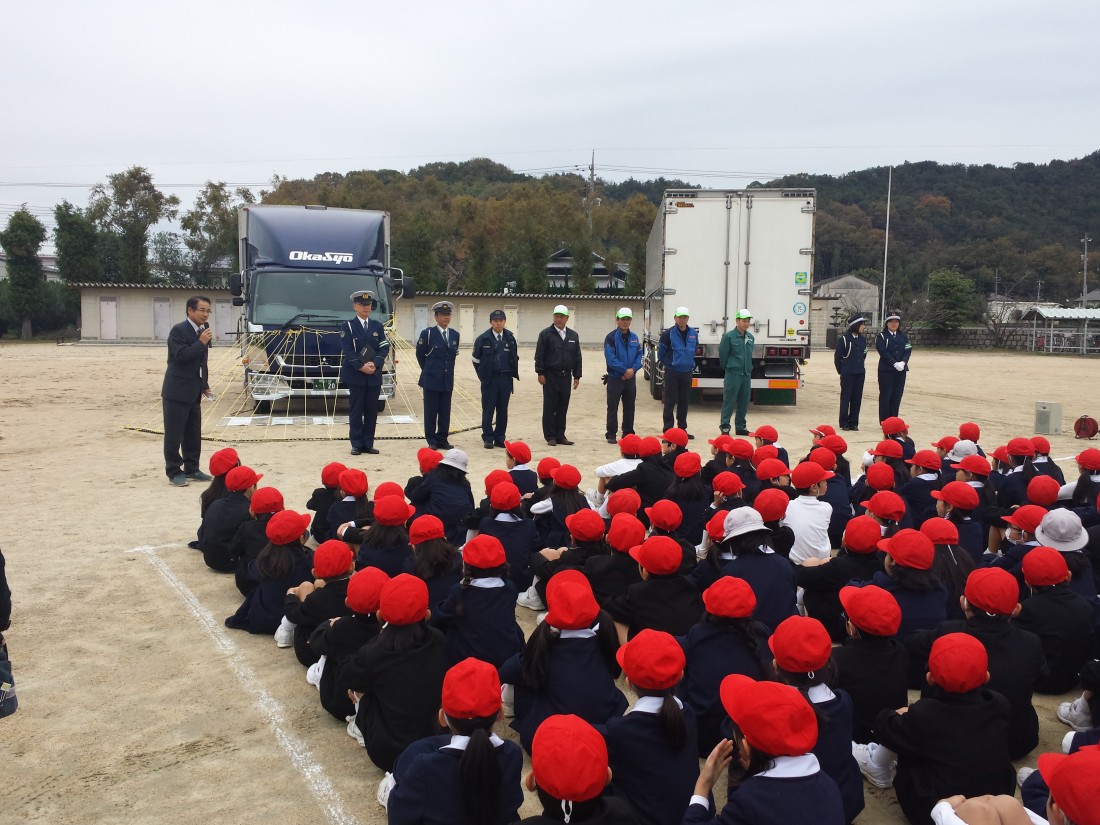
(300, 756)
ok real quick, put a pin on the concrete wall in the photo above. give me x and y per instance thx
(124, 313)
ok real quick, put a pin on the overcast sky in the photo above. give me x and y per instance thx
(720, 93)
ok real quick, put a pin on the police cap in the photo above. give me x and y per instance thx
(362, 296)
(498, 315)
(442, 308)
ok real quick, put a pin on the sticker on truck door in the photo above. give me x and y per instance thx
(801, 278)
(799, 308)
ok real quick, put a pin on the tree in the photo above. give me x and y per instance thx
(127, 206)
(75, 237)
(211, 227)
(169, 260)
(26, 279)
(951, 300)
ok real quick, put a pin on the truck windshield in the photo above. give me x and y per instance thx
(320, 298)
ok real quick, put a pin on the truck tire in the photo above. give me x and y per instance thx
(656, 390)
(262, 407)
(381, 405)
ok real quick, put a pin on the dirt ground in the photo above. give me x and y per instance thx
(137, 705)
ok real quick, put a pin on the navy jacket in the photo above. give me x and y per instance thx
(676, 350)
(836, 495)
(320, 502)
(317, 608)
(439, 585)
(492, 359)
(650, 478)
(920, 610)
(891, 349)
(480, 622)
(851, 354)
(1063, 621)
(834, 751)
(764, 800)
(390, 560)
(262, 609)
(446, 501)
(668, 603)
(917, 493)
(436, 357)
(822, 584)
(353, 338)
(872, 670)
(526, 480)
(555, 356)
(611, 576)
(772, 579)
(619, 356)
(218, 528)
(520, 540)
(339, 642)
(187, 375)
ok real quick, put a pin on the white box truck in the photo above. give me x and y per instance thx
(715, 251)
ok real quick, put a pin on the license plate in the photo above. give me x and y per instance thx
(323, 384)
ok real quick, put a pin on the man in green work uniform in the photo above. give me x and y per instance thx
(735, 355)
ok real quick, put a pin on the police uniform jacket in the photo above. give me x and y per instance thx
(776, 800)
(429, 784)
(521, 542)
(262, 609)
(650, 478)
(612, 575)
(822, 585)
(390, 560)
(647, 771)
(892, 347)
(436, 355)
(1063, 621)
(668, 603)
(218, 529)
(317, 608)
(480, 622)
(872, 671)
(621, 356)
(772, 579)
(555, 356)
(491, 358)
(338, 642)
(850, 354)
(834, 750)
(354, 336)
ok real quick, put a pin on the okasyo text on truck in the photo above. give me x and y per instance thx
(299, 267)
(715, 251)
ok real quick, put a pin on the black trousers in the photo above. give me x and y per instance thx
(495, 395)
(363, 415)
(437, 416)
(891, 386)
(555, 404)
(626, 392)
(182, 429)
(851, 399)
(677, 390)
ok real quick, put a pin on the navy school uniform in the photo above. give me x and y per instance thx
(872, 670)
(551, 526)
(429, 784)
(920, 609)
(574, 558)
(907, 448)
(345, 510)
(834, 746)
(713, 467)
(836, 496)
(218, 528)
(694, 521)
(1046, 467)
(1012, 492)
(250, 539)
(317, 608)
(606, 810)
(526, 479)
(338, 642)
(822, 583)
(520, 539)
(709, 568)
(650, 478)
(972, 537)
(782, 538)
(668, 603)
(772, 579)
(744, 471)
(479, 620)
(262, 609)
(320, 502)
(390, 560)
(917, 493)
(611, 575)
(647, 771)
(447, 501)
(439, 585)
(1063, 621)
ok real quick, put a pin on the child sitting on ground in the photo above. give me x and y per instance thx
(322, 498)
(311, 604)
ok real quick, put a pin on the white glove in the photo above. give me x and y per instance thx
(899, 366)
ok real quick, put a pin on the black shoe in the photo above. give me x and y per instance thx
(724, 430)
(742, 432)
(488, 445)
(611, 440)
(178, 480)
(500, 444)
(199, 475)
(446, 445)
(432, 445)
(552, 442)
(356, 451)
(565, 442)
(854, 429)
(691, 437)
(371, 451)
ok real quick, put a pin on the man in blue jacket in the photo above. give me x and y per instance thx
(851, 351)
(364, 346)
(496, 361)
(436, 350)
(623, 353)
(676, 352)
(894, 350)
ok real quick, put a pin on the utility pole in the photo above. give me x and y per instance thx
(591, 190)
(886, 248)
(1085, 271)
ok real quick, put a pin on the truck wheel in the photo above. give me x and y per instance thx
(381, 406)
(262, 407)
(657, 391)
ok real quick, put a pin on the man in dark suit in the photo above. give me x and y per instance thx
(496, 360)
(436, 349)
(186, 381)
(558, 366)
(364, 346)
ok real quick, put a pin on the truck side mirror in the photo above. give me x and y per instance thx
(236, 283)
(408, 287)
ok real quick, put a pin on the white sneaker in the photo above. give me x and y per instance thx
(314, 672)
(284, 636)
(384, 787)
(877, 776)
(355, 733)
(1023, 774)
(1076, 714)
(529, 598)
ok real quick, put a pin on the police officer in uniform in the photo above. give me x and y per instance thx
(851, 352)
(558, 366)
(622, 351)
(364, 346)
(496, 361)
(436, 350)
(894, 350)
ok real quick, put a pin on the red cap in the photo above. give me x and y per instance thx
(365, 590)
(585, 525)
(1001, 454)
(223, 461)
(888, 449)
(404, 600)
(519, 451)
(332, 558)
(767, 432)
(428, 459)
(652, 660)
(880, 476)
(958, 494)
(730, 598)
(824, 457)
(1027, 517)
(388, 488)
(659, 555)
(286, 527)
(675, 435)
(992, 590)
(871, 609)
(266, 500)
(566, 477)
(909, 548)
(720, 442)
(809, 473)
(494, 478)
(687, 465)
(240, 479)
(740, 448)
(665, 514)
(651, 445)
(570, 603)
(626, 532)
(974, 464)
(801, 644)
(471, 690)
(940, 531)
(625, 500)
(969, 431)
(823, 430)
(1021, 446)
(1089, 459)
(947, 442)
(1040, 444)
(728, 483)
(886, 505)
(893, 426)
(958, 663)
(1043, 490)
(629, 444)
(1074, 783)
(771, 504)
(927, 459)
(392, 511)
(833, 442)
(330, 474)
(425, 528)
(569, 758)
(771, 468)
(546, 466)
(762, 454)
(775, 719)
(484, 552)
(354, 483)
(716, 525)
(1045, 566)
(505, 496)
(862, 535)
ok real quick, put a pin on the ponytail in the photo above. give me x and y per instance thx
(671, 717)
(478, 770)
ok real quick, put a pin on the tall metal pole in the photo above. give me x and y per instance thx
(591, 188)
(886, 250)
(1085, 271)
